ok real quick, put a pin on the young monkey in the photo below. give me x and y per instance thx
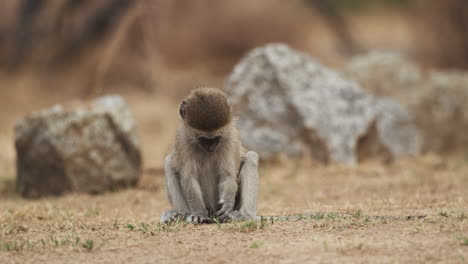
(208, 172)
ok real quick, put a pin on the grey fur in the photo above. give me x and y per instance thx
(202, 185)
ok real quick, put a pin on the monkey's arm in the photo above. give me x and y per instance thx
(247, 208)
(227, 189)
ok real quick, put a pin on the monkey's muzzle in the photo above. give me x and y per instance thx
(209, 144)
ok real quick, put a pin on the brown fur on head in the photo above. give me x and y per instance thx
(206, 109)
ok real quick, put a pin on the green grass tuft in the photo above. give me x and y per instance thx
(130, 227)
(88, 245)
(256, 244)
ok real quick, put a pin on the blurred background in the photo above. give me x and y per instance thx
(155, 51)
(83, 47)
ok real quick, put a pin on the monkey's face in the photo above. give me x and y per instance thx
(209, 143)
(206, 141)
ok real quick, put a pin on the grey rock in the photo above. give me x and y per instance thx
(438, 100)
(441, 110)
(90, 149)
(384, 73)
(289, 103)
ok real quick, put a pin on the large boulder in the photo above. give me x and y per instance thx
(385, 73)
(437, 100)
(92, 149)
(287, 103)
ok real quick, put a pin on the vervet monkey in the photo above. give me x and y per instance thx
(208, 172)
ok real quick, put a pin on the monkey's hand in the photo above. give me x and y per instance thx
(198, 219)
(227, 205)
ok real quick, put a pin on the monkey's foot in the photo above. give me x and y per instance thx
(171, 216)
(238, 216)
(225, 211)
(198, 219)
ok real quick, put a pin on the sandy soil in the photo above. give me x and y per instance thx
(412, 211)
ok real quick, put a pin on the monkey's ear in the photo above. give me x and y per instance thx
(182, 111)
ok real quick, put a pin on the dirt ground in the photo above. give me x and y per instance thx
(411, 211)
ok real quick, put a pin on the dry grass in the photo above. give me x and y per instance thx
(413, 211)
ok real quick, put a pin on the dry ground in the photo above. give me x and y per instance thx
(413, 211)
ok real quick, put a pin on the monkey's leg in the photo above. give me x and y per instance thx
(175, 195)
(249, 181)
(192, 192)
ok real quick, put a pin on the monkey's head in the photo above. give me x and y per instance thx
(206, 113)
